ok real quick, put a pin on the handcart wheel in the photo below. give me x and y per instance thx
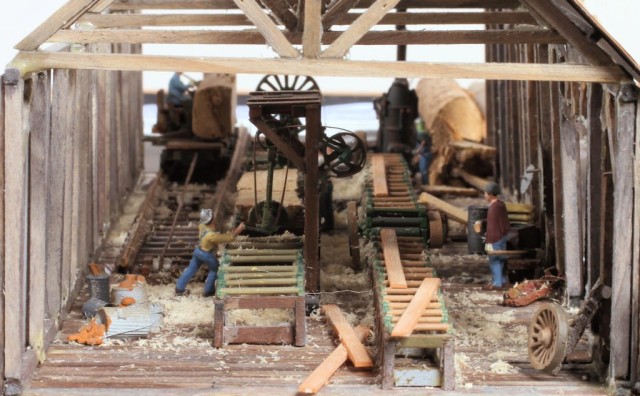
(548, 336)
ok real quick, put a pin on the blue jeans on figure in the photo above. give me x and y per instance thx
(200, 257)
(423, 166)
(496, 263)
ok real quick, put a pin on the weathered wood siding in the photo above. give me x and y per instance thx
(581, 138)
(70, 145)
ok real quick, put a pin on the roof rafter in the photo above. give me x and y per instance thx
(336, 10)
(280, 9)
(39, 60)
(62, 18)
(274, 37)
(358, 28)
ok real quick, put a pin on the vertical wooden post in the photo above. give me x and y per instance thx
(15, 174)
(68, 211)
(40, 132)
(311, 204)
(2, 228)
(622, 147)
(594, 183)
(55, 191)
(635, 280)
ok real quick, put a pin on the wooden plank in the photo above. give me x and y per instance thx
(336, 10)
(635, 259)
(260, 290)
(321, 375)
(141, 20)
(392, 261)
(311, 199)
(2, 227)
(15, 176)
(68, 210)
(488, 71)
(229, 4)
(100, 6)
(359, 28)
(409, 319)
(453, 212)
(441, 18)
(280, 9)
(348, 338)
(439, 190)
(274, 37)
(548, 13)
(312, 35)
(379, 176)
(622, 141)
(40, 133)
(285, 40)
(62, 18)
(258, 335)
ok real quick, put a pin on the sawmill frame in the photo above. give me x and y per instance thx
(561, 95)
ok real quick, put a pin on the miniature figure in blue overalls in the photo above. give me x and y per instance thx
(205, 252)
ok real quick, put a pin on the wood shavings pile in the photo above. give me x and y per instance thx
(349, 188)
(502, 367)
(191, 310)
(260, 317)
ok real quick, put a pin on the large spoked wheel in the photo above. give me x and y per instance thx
(344, 154)
(274, 82)
(548, 334)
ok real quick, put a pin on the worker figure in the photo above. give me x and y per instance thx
(422, 154)
(178, 91)
(496, 235)
(205, 252)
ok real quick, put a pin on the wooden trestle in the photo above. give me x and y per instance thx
(406, 289)
(259, 273)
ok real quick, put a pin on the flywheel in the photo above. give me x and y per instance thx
(548, 336)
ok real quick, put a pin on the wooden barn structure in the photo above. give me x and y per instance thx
(561, 96)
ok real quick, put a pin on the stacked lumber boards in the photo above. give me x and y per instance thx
(520, 213)
(389, 198)
(259, 273)
(409, 302)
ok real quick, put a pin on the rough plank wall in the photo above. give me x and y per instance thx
(62, 190)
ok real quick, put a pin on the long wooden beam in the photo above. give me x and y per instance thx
(63, 17)
(356, 352)
(395, 18)
(132, 36)
(38, 60)
(229, 4)
(273, 36)
(359, 28)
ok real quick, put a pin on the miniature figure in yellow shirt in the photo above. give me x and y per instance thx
(205, 252)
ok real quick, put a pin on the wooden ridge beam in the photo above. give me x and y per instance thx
(62, 18)
(285, 40)
(130, 5)
(38, 60)
(355, 350)
(409, 319)
(273, 36)
(358, 28)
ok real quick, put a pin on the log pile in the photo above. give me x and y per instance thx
(457, 127)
